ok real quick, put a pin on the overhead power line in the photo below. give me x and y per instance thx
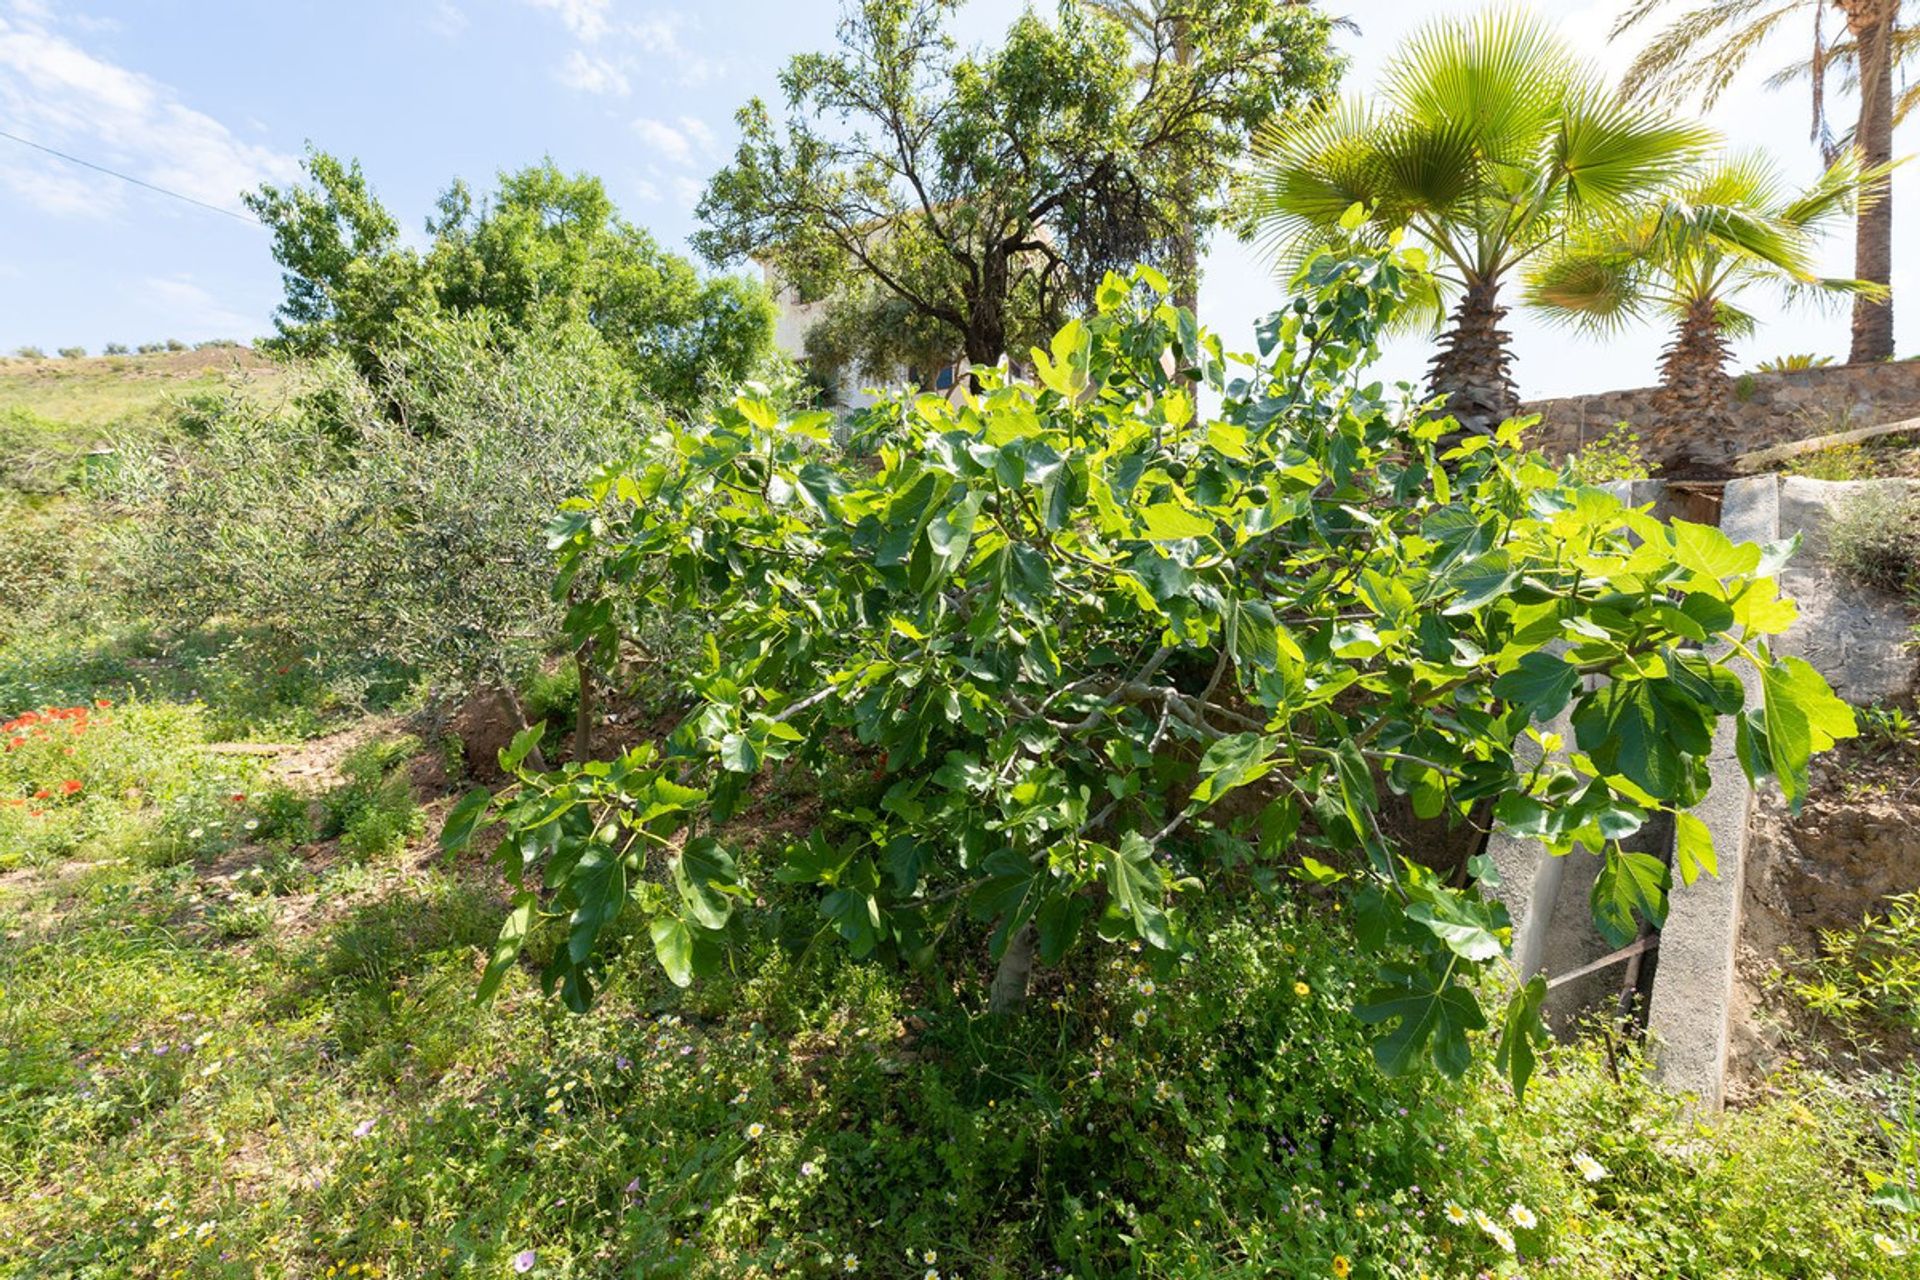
(127, 177)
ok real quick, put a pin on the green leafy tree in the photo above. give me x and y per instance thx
(1703, 49)
(1734, 226)
(1098, 653)
(988, 193)
(1489, 141)
(1178, 38)
(548, 249)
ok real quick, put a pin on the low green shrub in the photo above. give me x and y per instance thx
(1889, 726)
(1876, 539)
(374, 812)
(1865, 980)
(1793, 363)
(1840, 462)
(282, 815)
(397, 528)
(1618, 455)
(552, 697)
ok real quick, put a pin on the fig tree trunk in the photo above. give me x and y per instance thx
(1009, 991)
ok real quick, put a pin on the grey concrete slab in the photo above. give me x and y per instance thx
(1693, 990)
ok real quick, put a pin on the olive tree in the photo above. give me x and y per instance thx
(395, 524)
(980, 196)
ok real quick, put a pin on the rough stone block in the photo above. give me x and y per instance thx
(1854, 635)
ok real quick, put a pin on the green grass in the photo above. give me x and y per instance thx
(100, 391)
(238, 1038)
(231, 1047)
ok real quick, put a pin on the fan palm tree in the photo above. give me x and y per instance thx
(1702, 50)
(1732, 227)
(1489, 142)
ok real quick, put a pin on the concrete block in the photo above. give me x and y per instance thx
(1689, 1017)
(1529, 880)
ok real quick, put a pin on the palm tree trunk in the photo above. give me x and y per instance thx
(1473, 369)
(1871, 23)
(1694, 423)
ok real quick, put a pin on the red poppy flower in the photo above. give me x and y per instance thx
(43, 794)
(238, 797)
(102, 703)
(71, 785)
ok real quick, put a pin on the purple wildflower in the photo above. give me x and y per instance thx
(524, 1260)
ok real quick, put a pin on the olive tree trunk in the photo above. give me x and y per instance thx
(1473, 369)
(1871, 23)
(1186, 240)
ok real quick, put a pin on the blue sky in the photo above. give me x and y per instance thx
(213, 96)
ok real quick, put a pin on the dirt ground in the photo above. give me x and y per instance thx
(1855, 841)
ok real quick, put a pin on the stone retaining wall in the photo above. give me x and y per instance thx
(1857, 638)
(1771, 408)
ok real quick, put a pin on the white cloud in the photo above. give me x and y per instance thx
(659, 35)
(447, 18)
(697, 131)
(609, 52)
(668, 142)
(681, 142)
(55, 188)
(687, 191)
(59, 95)
(587, 19)
(585, 73)
(189, 309)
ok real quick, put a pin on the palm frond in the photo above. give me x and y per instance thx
(1844, 54)
(1701, 51)
(1735, 321)
(1830, 296)
(1498, 75)
(1308, 170)
(1610, 149)
(1591, 287)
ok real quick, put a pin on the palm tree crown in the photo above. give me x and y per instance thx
(1488, 141)
(1732, 226)
(1702, 49)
